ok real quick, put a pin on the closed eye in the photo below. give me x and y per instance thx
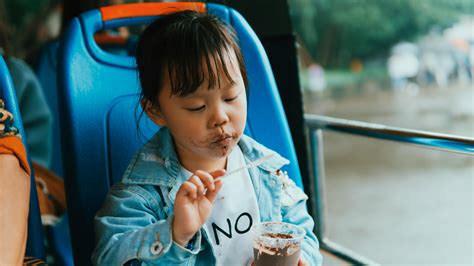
(196, 109)
(231, 99)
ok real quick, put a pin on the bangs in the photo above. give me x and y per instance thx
(188, 49)
(198, 53)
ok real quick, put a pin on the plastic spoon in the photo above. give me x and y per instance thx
(249, 165)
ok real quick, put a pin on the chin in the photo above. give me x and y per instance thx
(224, 151)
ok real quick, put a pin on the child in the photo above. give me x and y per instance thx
(169, 209)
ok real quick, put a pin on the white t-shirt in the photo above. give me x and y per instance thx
(234, 211)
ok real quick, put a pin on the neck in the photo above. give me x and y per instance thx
(204, 164)
(192, 163)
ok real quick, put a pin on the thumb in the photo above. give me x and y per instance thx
(302, 263)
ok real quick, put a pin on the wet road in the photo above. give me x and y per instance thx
(394, 203)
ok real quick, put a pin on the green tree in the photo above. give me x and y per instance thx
(335, 31)
(22, 18)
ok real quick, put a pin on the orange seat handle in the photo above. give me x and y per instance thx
(148, 9)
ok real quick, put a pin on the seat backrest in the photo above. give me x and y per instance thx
(45, 69)
(99, 96)
(116, 43)
(34, 244)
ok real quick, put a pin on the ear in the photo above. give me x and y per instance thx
(153, 113)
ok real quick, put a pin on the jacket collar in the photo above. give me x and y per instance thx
(156, 163)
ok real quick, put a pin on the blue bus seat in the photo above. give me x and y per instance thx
(99, 94)
(116, 44)
(34, 244)
(46, 70)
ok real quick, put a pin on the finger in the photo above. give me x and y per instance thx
(198, 183)
(211, 195)
(187, 189)
(206, 178)
(302, 263)
(218, 173)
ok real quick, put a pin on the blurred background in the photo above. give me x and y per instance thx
(401, 63)
(406, 64)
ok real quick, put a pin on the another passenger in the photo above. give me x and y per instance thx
(14, 192)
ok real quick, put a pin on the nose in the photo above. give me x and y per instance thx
(219, 117)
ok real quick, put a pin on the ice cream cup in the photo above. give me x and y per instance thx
(277, 243)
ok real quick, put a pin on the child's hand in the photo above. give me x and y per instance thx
(302, 263)
(193, 204)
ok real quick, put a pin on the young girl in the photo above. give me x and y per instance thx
(169, 208)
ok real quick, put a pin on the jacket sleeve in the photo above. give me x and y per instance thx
(294, 211)
(131, 228)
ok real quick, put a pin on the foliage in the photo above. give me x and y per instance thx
(23, 17)
(336, 31)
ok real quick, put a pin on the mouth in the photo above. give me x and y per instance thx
(222, 139)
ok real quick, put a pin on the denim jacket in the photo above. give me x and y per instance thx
(134, 225)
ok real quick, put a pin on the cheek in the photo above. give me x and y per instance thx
(189, 132)
(186, 138)
(183, 122)
(240, 114)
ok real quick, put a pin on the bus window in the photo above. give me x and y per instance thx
(404, 64)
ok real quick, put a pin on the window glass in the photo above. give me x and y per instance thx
(400, 63)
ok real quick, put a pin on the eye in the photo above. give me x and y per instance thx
(196, 109)
(231, 99)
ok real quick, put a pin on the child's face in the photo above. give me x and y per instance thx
(208, 123)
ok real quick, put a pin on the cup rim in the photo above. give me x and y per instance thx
(301, 233)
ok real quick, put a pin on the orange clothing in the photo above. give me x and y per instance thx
(51, 196)
(13, 145)
(10, 139)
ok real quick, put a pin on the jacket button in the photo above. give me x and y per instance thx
(156, 248)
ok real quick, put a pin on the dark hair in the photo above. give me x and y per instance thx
(188, 45)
